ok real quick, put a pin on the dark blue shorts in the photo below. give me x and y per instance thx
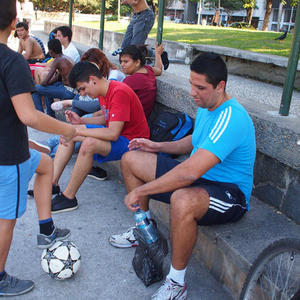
(118, 148)
(227, 201)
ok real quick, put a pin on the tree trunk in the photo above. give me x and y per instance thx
(267, 15)
(249, 15)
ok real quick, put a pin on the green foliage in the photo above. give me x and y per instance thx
(244, 39)
(249, 3)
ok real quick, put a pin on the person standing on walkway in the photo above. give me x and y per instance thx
(212, 186)
(17, 162)
(139, 27)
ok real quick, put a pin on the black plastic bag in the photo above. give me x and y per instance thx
(148, 258)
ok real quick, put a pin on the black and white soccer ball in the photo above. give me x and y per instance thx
(61, 260)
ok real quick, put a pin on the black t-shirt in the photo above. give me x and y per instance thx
(15, 79)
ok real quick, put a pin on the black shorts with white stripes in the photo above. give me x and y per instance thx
(227, 201)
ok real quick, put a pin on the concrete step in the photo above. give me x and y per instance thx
(228, 251)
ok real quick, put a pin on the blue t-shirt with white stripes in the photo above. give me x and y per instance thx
(228, 133)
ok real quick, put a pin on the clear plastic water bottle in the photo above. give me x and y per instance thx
(145, 226)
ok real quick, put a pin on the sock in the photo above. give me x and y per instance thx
(46, 226)
(2, 274)
(148, 214)
(177, 275)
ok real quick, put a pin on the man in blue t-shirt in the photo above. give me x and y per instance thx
(212, 186)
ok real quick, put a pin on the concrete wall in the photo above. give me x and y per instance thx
(269, 68)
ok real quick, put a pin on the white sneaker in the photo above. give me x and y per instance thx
(124, 240)
(170, 290)
(56, 106)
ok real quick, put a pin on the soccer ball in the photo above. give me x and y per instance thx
(61, 260)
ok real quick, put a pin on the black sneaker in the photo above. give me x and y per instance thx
(55, 190)
(12, 286)
(98, 173)
(61, 203)
(165, 60)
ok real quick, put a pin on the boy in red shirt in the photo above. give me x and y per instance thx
(105, 137)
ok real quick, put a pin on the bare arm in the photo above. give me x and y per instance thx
(28, 48)
(51, 76)
(28, 115)
(73, 118)
(182, 175)
(158, 62)
(20, 48)
(179, 147)
(111, 133)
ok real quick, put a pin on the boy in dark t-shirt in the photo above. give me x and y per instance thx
(17, 162)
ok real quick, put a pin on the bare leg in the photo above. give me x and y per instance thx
(138, 167)
(84, 161)
(62, 157)
(6, 234)
(43, 187)
(187, 206)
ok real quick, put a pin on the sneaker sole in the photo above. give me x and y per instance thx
(122, 246)
(54, 241)
(98, 178)
(17, 294)
(64, 210)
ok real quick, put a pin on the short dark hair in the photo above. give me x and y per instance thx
(22, 24)
(212, 66)
(8, 12)
(82, 71)
(55, 46)
(135, 53)
(65, 31)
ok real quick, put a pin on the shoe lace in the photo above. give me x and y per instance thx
(128, 233)
(165, 289)
(11, 281)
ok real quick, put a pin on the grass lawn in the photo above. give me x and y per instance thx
(252, 40)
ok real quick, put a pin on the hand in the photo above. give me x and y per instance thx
(132, 201)
(65, 139)
(144, 145)
(72, 117)
(159, 49)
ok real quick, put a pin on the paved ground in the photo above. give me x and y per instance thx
(106, 272)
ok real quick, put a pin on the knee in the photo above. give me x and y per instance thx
(87, 146)
(127, 160)
(180, 203)
(46, 164)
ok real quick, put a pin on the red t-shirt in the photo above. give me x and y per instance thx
(144, 85)
(122, 104)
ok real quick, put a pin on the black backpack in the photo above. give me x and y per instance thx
(168, 126)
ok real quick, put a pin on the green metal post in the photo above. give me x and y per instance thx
(161, 12)
(102, 24)
(70, 13)
(291, 69)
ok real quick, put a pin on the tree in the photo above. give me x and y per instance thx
(229, 6)
(269, 10)
(249, 5)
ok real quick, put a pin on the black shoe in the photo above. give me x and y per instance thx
(165, 60)
(55, 190)
(98, 173)
(61, 203)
